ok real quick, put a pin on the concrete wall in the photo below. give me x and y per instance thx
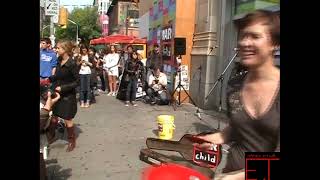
(204, 55)
(184, 27)
(144, 6)
(144, 25)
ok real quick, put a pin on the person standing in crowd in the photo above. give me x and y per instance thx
(93, 78)
(157, 87)
(253, 98)
(48, 59)
(111, 67)
(133, 69)
(100, 71)
(85, 75)
(155, 59)
(65, 81)
(127, 55)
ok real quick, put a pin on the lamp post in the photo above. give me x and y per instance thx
(77, 41)
(43, 30)
(127, 19)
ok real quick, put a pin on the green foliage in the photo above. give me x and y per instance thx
(88, 22)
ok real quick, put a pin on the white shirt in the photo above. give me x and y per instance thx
(111, 64)
(162, 81)
(111, 60)
(85, 69)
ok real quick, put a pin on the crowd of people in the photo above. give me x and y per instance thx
(67, 70)
(253, 98)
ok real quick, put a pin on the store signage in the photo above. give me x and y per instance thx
(167, 34)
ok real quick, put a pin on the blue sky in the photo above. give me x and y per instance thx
(75, 2)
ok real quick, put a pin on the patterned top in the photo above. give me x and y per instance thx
(249, 134)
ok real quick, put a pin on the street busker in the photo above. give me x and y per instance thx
(253, 98)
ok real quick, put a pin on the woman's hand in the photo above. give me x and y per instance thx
(58, 89)
(215, 138)
(50, 102)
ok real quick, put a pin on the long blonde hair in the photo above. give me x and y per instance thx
(68, 46)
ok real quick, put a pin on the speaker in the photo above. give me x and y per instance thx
(179, 46)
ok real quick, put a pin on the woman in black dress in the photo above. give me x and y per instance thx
(253, 98)
(65, 81)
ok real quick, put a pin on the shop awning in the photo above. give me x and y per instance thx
(118, 38)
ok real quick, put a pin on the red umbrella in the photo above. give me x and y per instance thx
(118, 38)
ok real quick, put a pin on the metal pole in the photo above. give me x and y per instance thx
(127, 21)
(77, 41)
(52, 38)
(43, 30)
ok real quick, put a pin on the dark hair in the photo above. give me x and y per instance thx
(129, 46)
(268, 18)
(47, 40)
(155, 45)
(93, 49)
(156, 67)
(135, 52)
(115, 48)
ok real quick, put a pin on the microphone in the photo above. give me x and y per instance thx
(236, 49)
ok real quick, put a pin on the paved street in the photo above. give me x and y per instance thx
(110, 137)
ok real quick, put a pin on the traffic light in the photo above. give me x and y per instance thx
(63, 17)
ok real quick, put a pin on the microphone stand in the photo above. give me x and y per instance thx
(220, 79)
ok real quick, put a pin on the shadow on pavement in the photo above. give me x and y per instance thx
(155, 132)
(55, 172)
(202, 128)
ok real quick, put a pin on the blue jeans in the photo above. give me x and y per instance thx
(85, 87)
(131, 89)
(163, 98)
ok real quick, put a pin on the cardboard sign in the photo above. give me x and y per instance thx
(209, 158)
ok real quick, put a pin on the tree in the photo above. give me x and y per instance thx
(87, 20)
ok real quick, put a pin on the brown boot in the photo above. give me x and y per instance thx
(51, 134)
(43, 170)
(71, 139)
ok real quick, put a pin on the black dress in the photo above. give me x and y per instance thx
(67, 77)
(261, 134)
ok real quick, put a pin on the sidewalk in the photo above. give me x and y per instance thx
(110, 137)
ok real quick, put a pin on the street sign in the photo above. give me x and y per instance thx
(51, 7)
(55, 19)
(41, 3)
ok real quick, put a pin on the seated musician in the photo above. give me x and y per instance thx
(157, 92)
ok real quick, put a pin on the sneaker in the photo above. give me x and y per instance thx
(114, 94)
(134, 103)
(82, 105)
(110, 93)
(126, 103)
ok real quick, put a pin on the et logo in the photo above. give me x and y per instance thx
(262, 165)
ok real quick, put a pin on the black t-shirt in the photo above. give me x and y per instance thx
(250, 134)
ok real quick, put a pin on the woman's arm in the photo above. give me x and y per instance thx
(75, 77)
(216, 138)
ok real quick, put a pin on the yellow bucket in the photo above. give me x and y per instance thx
(165, 126)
